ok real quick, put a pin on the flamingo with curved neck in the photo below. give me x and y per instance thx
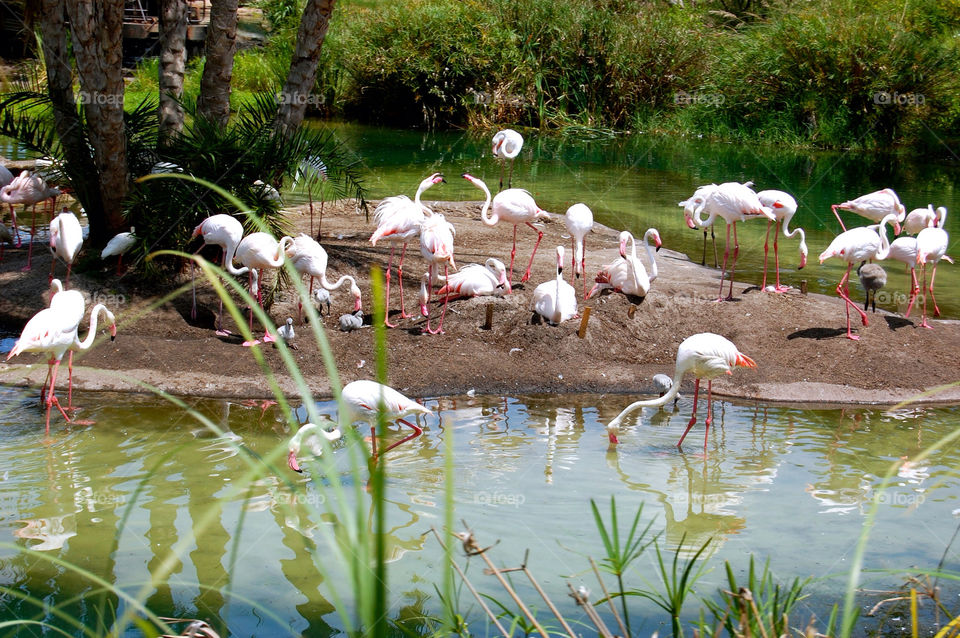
(258, 251)
(932, 245)
(309, 434)
(784, 206)
(308, 257)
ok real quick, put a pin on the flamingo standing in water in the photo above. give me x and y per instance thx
(309, 258)
(904, 250)
(875, 206)
(854, 246)
(477, 280)
(66, 239)
(627, 273)
(555, 300)
(733, 202)
(689, 207)
(931, 248)
(29, 190)
(257, 251)
(362, 401)
(918, 219)
(506, 146)
(579, 222)
(436, 246)
(707, 356)
(514, 206)
(225, 231)
(398, 221)
(784, 206)
(309, 434)
(118, 245)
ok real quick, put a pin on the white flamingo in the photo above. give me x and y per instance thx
(707, 356)
(309, 435)
(514, 206)
(875, 206)
(918, 219)
(225, 231)
(257, 251)
(854, 246)
(506, 146)
(118, 245)
(555, 300)
(66, 239)
(309, 258)
(931, 248)
(362, 400)
(904, 250)
(690, 206)
(627, 273)
(477, 280)
(436, 246)
(398, 221)
(783, 206)
(28, 190)
(579, 222)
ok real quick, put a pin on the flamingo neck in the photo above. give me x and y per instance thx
(650, 403)
(92, 332)
(652, 255)
(884, 251)
(489, 220)
(343, 279)
(228, 255)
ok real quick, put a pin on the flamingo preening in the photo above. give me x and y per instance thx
(309, 258)
(854, 246)
(875, 206)
(436, 246)
(783, 206)
(514, 206)
(555, 300)
(932, 245)
(707, 356)
(627, 273)
(225, 231)
(506, 146)
(257, 251)
(66, 239)
(579, 222)
(919, 218)
(398, 221)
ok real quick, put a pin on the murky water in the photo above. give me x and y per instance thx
(148, 489)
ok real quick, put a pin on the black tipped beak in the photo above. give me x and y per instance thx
(577, 275)
(560, 270)
(113, 337)
(658, 248)
(500, 286)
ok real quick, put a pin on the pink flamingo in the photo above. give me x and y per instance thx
(579, 222)
(689, 207)
(904, 249)
(257, 251)
(918, 219)
(27, 189)
(477, 280)
(436, 246)
(627, 274)
(66, 239)
(733, 202)
(398, 221)
(875, 206)
(555, 300)
(514, 206)
(309, 258)
(507, 144)
(225, 231)
(118, 245)
(362, 401)
(854, 246)
(784, 206)
(931, 248)
(707, 356)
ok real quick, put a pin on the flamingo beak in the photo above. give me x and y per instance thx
(113, 332)
(803, 261)
(896, 228)
(690, 222)
(292, 462)
(613, 438)
(356, 304)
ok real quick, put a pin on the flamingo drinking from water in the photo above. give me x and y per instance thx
(309, 435)
(362, 401)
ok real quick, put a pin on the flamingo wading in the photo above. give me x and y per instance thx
(507, 144)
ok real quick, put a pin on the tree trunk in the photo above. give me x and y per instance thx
(56, 54)
(173, 61)
(220, 47)
(303, 66)
(97, 29)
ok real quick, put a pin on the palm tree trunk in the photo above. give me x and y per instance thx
(98, 49)
(173, 60)
(220, 47)
(303, 66)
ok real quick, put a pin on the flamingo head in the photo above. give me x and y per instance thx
(624, 238)
(437, 178)
(655, 234)
(803, 255)
(292, 461)
(501, 272)
(355, 291)
(498, 141)
(612, 428)
(467, 176)
(559, 260)
(197, 231)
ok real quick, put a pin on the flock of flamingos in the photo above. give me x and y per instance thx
(400, 220)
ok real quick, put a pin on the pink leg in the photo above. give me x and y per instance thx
(119, 264)
(267, 337)
(33, 232)
(403, 309)
(723, 271)
(706, 431)
(247, 344)
(733, 266)
(776, 260)
(914, 291)
(66, 282)
(51, 398)
(834, 208)
(70, 380)
(526, 275)
(923, 323)
(386, 303)
(583, 267)
(573, 260)
(844, 293)
(417, 431)
(693, 417)
(513, 253)
(766, 242)
(933, 275)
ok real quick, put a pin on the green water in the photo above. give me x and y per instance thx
(636, 182)
(148, 486)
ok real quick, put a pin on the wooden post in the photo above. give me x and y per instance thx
(803, 286)
(488, 320)
(583, 322)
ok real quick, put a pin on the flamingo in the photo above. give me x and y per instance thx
(854, 246)
(398, 221)
(555, 300)
(477, 280)
(579, 222)
(689, 207)
(29, 190)
(309, 258)
(66, 238)
(918, 219)
(931, 248)
(627, 274)
(257, 251)
(87, 342)
(267, 192)
(506, 146)
(309, 434)
(734, 202)
(663, 383)
(514, 206)
(872, 277)
(118, 245)
(708, 356)
(436, 246)
(784, 206)
(225, 231)
(904, 249)
(286, 331)
(362, 400)
(875, 206)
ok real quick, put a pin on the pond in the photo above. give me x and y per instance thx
(149, 490)
(635, 182)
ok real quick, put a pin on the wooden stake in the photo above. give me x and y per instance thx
(803, 286)
(488, 321)
(583, 322)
